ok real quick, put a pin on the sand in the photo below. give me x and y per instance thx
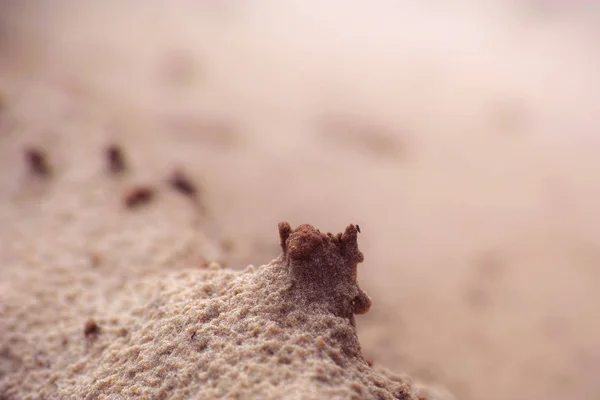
(282, 330)
(463, 141)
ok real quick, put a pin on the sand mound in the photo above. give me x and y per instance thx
(283, 330)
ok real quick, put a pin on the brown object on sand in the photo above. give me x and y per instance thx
(37, 161)
(138, 196)
(183, 184)
(115, 159)
(283, 330)
(331, 283)
(90, 328)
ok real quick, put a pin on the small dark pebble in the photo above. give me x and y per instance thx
(138, 196)
(183, 184)
(115, 158)
(91, 328)
(37, 161)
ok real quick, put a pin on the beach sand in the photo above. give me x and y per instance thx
(462, 141)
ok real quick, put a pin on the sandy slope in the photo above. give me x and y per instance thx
(463, 141)
(282, 330)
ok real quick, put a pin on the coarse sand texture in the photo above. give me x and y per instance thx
(284, 330)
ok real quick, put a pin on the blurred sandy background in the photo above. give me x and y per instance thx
(463, 138)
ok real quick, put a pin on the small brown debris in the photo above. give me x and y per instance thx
(370, 363)
(37, 161)
(91, 328)
(358, 228)
(138, 196)
(123, 332)
(193, 335)
(95, 259)
(115, 159)
(180, 182)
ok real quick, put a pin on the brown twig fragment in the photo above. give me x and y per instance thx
(138, 196)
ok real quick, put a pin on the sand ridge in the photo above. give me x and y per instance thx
(282, 330)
